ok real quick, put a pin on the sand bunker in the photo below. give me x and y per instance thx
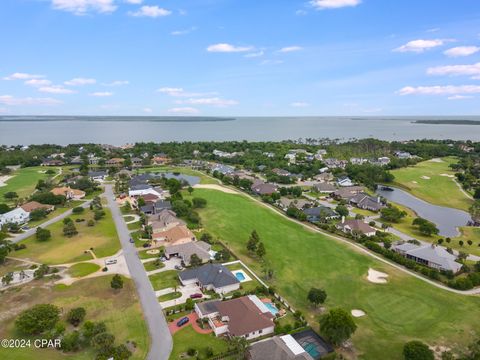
(358, 313)
(154, 251)
(414, 182)
(377, 277)
(448, 175)
(4, 179)
(215, 187)
(425, 177)
(437, 160)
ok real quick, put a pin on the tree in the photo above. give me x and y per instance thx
(253, 242)
(190, 190)
(416, 350)
(117, 282)
(195, 261)
(98, 214)
(76, 315)
(10, 195)
(38, 319)
(474, 211)
(7, 278)
(103, 341)
(199, 202)
(261, 250)
(317, 296)
(78, 210)
(206, 237)
(425, 227)
(240, 346)
(4, 208)
(38, 214)
(392, 214)
(337, 326)
(43, 234)
(69, 229)
(141, 201)
(341, 210)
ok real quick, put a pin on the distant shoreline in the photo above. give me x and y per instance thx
(447, 122)
(115, 118)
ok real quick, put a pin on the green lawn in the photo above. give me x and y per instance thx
(404, 309)
(60, 249)
(120, 311)
(128, 218)
(134, 226)
(170, 296)
(246, 286)
(188, 338)
(439, 190)
(58, 211)
(145, 255)
(83, 269)
(164, 279)
(153, 265)
(24, 181)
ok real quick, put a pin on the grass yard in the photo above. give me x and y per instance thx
(60, 249)
(58, 211)
(24, 181)
(246, 286)
(170, 296)
(153, 265)
(405, 308)
(120, 311)
(164, 279)
(83, 269)
(438, 189)
(145, 255)
(134, 226)
(188, 338)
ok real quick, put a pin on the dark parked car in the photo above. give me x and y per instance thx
(132, 241)
(196, 296)
(183, 321)
(147, 245)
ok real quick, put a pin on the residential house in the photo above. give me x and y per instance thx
(367, 202)
(245, 316)
(346, 193)
(281, 172)
(151, 208)
(77, 160)
(222, 169)
(136, 161)
(320, 213)
(261, 188)
(69, 193)
(52, 162)
(333, 163)
(324, 176)
(175, 235)
(403, 155)
(115, 162)
(160, 159)
(34, 205)
(98, 176)
(92, 159)
(15, 216)
(300, 204)
(325, 188)
(164, 220)
(270, 155)
(358, 161)
(142, 190)
(279, 348)
(344, 181)
(214, 277)
(384, 160)
(355, 226)
(185, 251)
(431, 255)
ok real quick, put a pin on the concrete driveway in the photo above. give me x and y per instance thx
(186, 292)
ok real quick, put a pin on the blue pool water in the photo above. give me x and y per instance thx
(240, 276)
(272, 308)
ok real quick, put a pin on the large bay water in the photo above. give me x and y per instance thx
(118, 131)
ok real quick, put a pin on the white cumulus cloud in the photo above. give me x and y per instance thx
(55, 89)
(254, 54)
(461, 51)
(22, 76)
(184, 110)
(288, 49)
(333, 4)
(228, 48)
(15, 101)
(134, 2)
(38, 82)
(472, 70)
(299, 104)
(420, 45)
(117, 83)
(80, 82)
(459, 97)
(150, 11)
(440, 90)
(82, 7)
(213, 101)
(101, 94)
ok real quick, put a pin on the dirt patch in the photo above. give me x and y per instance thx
(414, 182)
(216, 187)
(448, 175)
(153, 252)
(358, 313)
(377, 277)
(425, 177)
(437, 160)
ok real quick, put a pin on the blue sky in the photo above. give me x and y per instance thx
(243, 57)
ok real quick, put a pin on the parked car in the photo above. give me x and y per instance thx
(163, 259)
(110, 261)
(196, 296)
(132, 241)
(183, 321)
(146, 245)
(178, 267)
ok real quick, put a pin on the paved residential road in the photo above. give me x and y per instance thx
(51, 221)
(160, 339)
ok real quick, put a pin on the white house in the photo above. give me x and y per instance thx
(142, 190)
(16, 216)
(344, 181)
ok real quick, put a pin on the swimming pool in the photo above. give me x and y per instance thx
(272, 308)
(239, 275)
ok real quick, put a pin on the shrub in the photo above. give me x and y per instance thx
(76, 315)
(38, 319)
(78, 210)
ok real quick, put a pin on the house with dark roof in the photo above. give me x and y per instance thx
(261, 188)
(344, 181)
(185, 250)
(346, 193)
(214, 277)
(151, 208)
(164, 220)
(245, 316)
(353, 226)
(324, 187)
(99, 176)
(320, 213)
(431, 255)
(278, 348)
(367, 202)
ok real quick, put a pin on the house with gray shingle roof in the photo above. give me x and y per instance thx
(431, 255)
(214, 277)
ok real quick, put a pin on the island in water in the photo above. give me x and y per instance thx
(447, 122)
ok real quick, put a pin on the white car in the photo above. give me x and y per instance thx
(110, 261)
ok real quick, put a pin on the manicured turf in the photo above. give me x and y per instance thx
(24, 181)
(153, 265)
(143, 254)
(439, 190)
(134, 226)
(120, 310)
(83, 269)
(164, 279)
(404, 309)
(187, 338)
(170, 296)
(60, 249)
(128, 218)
